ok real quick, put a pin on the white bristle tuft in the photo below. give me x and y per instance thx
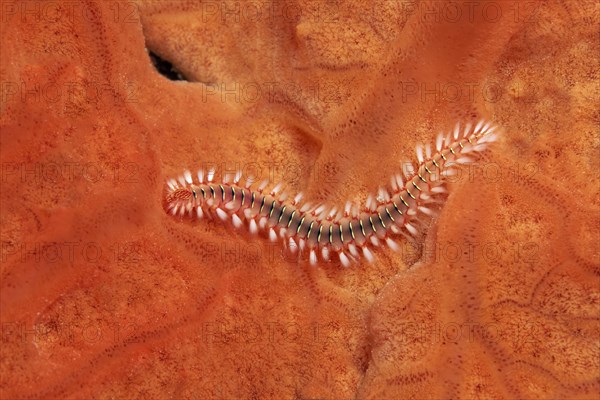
(347, 208)
(467, 130)
(399, 181)
(320, 209)
(439, 141)
(237, 222)
(253, 227)
(292, 245)
(276, 189)
(486, 128)
(332, 213)
(370, 203)
(413, 231)
(392, 245)
(272, 235)
(263, 185)
(238, 176)
(352, 249)
(394, 184)
(211, 174)
(321, 216)
(426, 211)
(262, 222)
(305, 207)
(449, 172)
(298, 198)
(201, 176)
(325, 253)
(478, 126)
(199, 212)
(464, 160)
(368, 255)
(489, 138)
(344, 259)
(419, 150)
(383, 196)
(375, 240)
(456, 131)
(313, 257)
(408, 169)
(221, 214)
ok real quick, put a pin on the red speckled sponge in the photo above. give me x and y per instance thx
(104, 295)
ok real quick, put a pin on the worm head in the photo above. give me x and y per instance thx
(179, 199)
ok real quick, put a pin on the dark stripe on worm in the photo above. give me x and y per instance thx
(410, 194)
(435, 163)
(461, 145)
(290, 220)
(222, 192)
(403, 201)
(203, 193)
(389, 215)
(243, 197)
(300, 225)
(194, 193)
(443, 156)
(372, 224)
(362, 228)
(272, 208)
(320, 231)
(262, 204)
(351, 230)
(253, 198)
(330, 234)
(341, 234)
(281, 214)
(381, 220)
(451, 150)
(310, 229)
(427, 169)
(396, 207)
(415, 185)
(212, 191)
(232, 194)
(421, 178)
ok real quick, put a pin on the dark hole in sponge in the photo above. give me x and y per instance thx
(165, 68)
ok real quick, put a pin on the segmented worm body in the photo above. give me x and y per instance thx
(350, 232)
